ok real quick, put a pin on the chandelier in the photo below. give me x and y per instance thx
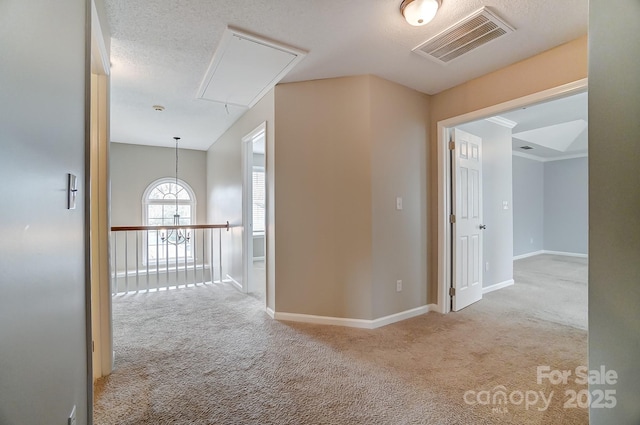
(175, 235)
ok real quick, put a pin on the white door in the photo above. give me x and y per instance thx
(467, 219)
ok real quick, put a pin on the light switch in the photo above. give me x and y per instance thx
(398, 203)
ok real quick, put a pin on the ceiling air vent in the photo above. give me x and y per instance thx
(526, 148)
(470, 33)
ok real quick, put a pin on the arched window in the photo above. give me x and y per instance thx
(163, 200)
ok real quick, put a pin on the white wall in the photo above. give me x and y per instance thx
(614, 203)
(43, 326)
(566, 202)
(528, 205)
(496, 189)
(135, 167)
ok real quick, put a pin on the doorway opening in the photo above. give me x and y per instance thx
(447, 244)
(254, 212)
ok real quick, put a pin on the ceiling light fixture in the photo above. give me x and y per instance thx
(419, 12)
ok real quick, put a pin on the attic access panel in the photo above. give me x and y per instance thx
(245, 67)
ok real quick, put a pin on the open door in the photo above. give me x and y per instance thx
(466, 219)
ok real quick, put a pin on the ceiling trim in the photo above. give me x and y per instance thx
(502, 121)
(542, 159)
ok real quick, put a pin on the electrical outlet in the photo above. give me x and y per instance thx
(399, 203)
(531, 241)
(72, 417)
(398, 285)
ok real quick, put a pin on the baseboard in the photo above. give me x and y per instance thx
(233, 282)
(566, 254)
(270, 312)
(527, 255)
(497, 286)
(437, 308)
(323, 320)
(544, 251)
(397, 317)
(354, 323)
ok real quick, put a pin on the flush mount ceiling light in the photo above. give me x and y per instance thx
(419, 12)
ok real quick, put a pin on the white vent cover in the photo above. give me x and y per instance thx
(470, 33)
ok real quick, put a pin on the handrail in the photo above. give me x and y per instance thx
(172, 227)
(154, 260)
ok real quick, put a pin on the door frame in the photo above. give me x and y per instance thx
(247, 203)
(445, 243)
(100, 352)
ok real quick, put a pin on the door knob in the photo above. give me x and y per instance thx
(483, 226)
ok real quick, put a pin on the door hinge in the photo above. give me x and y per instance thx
(452, 218)
(93, 346)
(452, 292)
(452, 145)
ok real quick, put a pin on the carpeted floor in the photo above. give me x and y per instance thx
(210, 355)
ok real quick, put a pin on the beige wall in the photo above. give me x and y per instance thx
(399, 126)
(323, 198)
(553, 68)
(224, 188)
(134, 167)
(345, 149)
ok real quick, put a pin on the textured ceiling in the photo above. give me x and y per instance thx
(160, 50)
(554, 129)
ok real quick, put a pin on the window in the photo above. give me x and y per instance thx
(258, 200)
(162, 200)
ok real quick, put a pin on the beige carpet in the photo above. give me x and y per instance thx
(209, 355)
